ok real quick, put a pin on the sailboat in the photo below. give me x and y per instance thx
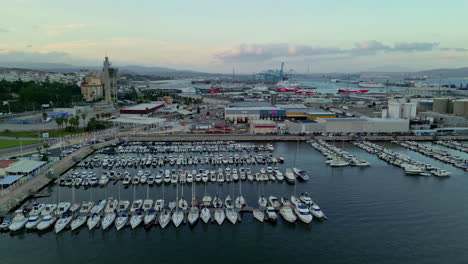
(231, 215)
(164, 218)
(137, 218)
(93, 221)
(259, 215)
(219, 216)
(194, 213)
(205, 214)
(240, 200)
(121, 220)
(63, 222)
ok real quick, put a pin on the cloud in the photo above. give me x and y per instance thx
(21, 56)
(56, 30)
(264, 52)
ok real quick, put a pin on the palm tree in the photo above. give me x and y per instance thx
(65, 120)
(59, 121)
(97, 116)
(83, 116)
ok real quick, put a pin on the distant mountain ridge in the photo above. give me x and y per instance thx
(445, 73)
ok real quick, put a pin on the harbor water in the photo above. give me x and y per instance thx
(376, 214)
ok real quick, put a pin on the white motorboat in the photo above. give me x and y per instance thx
(78, 221)
(100, 205)
(228, 202)
(111, 206)
(316, 211)
(19, 222)
(159, 205)
(338, 163)
(108, 220)
(183, 204)
(164, 218)
(193, 215)
(37, 209)
(239, 202)
(93, 221)
(137, 218)
(303, 212)
(294, 200)
(205, 214)
(289, 175)
(63, 207)
(63, 222)
(274, 202)
(305, 198)
(121, 221)
(33, 221)
(149, 216)
(271, 214)
(217, 202)
(285, 201)
(6, 223)
(231, 215)
(279, 175)
(301, 174)
(206, 200)
(288, 214)
(46, 222)
(49, 209)
(177, 217)
(75, 207)
(172, 205)
(136, 205)
(219, 216)
(86, 207)
(259, 215)
(123, 205)
(147, 204)
(262, 201)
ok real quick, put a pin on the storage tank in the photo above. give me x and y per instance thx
(460, 107)
(440, 105)
(408, 110)
(394, 110)
(425, 105)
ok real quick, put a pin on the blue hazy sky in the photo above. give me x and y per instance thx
(216, 36)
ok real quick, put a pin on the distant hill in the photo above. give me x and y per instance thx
(444, 73)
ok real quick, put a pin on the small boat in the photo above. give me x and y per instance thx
(100, 205)
(49, 209)
(205, 214)
(123, 205)
(193, 215)
(219, 216)
(183, 204)
(316, 211)
(288, 214)
(239, 202)
(231, 215)
(262, 201)
(305, 198)
(338, 163)
(46, 222)
(289, 175)
(159, 205)
(178, 217)
(259, 215)
(33, 221)
(274, 202)
(303, 212)
(164, 218)
(285, 201)
(217, 202)
(228, 202)
(294, 200)
(63, 207)
(172, 205)
(37, 209)
(136, 205)
(147, 204)
(121, 221)
(6, 223)
(301, 174)
(111, 206)
(137, 218)
(63, 222)
(93, 221)
(206, 200)
(108, 220)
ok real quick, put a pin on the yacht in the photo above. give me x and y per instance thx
(219, 216)
(63, 207)
(149, 216)
(136, 205)
(301, 174)
(46, 222)
(305, 198)
(159, 205)
(316, 211)
(137, 218)
(288, 214)
(205, 214)
(285, 201)
(259, 215)
(338, 163)
(49, 209)
(78, 221)
(123, 205)
(100, 205)
(63, 222)
(19, 222)
(111, 206)
(271, 214)
(37, 209)
(33, 221)
(121, 221)
(108, 220)
(164, 218)
(231, 215)
(147, 204)
(274, 201)
(178, 217)
(294, 200)
(193, 215)
(93, 221)
(303, 212)
(289, 175)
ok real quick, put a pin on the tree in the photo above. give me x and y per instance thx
(97, 116)
(59, 121)
(44, 116)
(65, 120)
(83, 116)
(46, 146)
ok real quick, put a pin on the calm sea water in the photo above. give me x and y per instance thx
(375, 215)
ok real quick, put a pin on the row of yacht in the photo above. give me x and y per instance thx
(335, 156)
(121, 213)
(453, 145)
(90, 179)
(109, 162)
(186, 147)
(435, 153)
(409, 165)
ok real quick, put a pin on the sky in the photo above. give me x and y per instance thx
(248, 36)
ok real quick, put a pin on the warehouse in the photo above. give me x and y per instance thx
(263, 127)
(245, 111)
(142, 109)
(348, 125)
(25, 167)
(308, 114)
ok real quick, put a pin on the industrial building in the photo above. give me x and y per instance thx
(109, 81)
(142, 109)
(348, 125)
(91, 88)
(400, 110)
(263, 127)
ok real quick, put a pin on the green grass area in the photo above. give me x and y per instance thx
(33, 134)
(7, 143)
